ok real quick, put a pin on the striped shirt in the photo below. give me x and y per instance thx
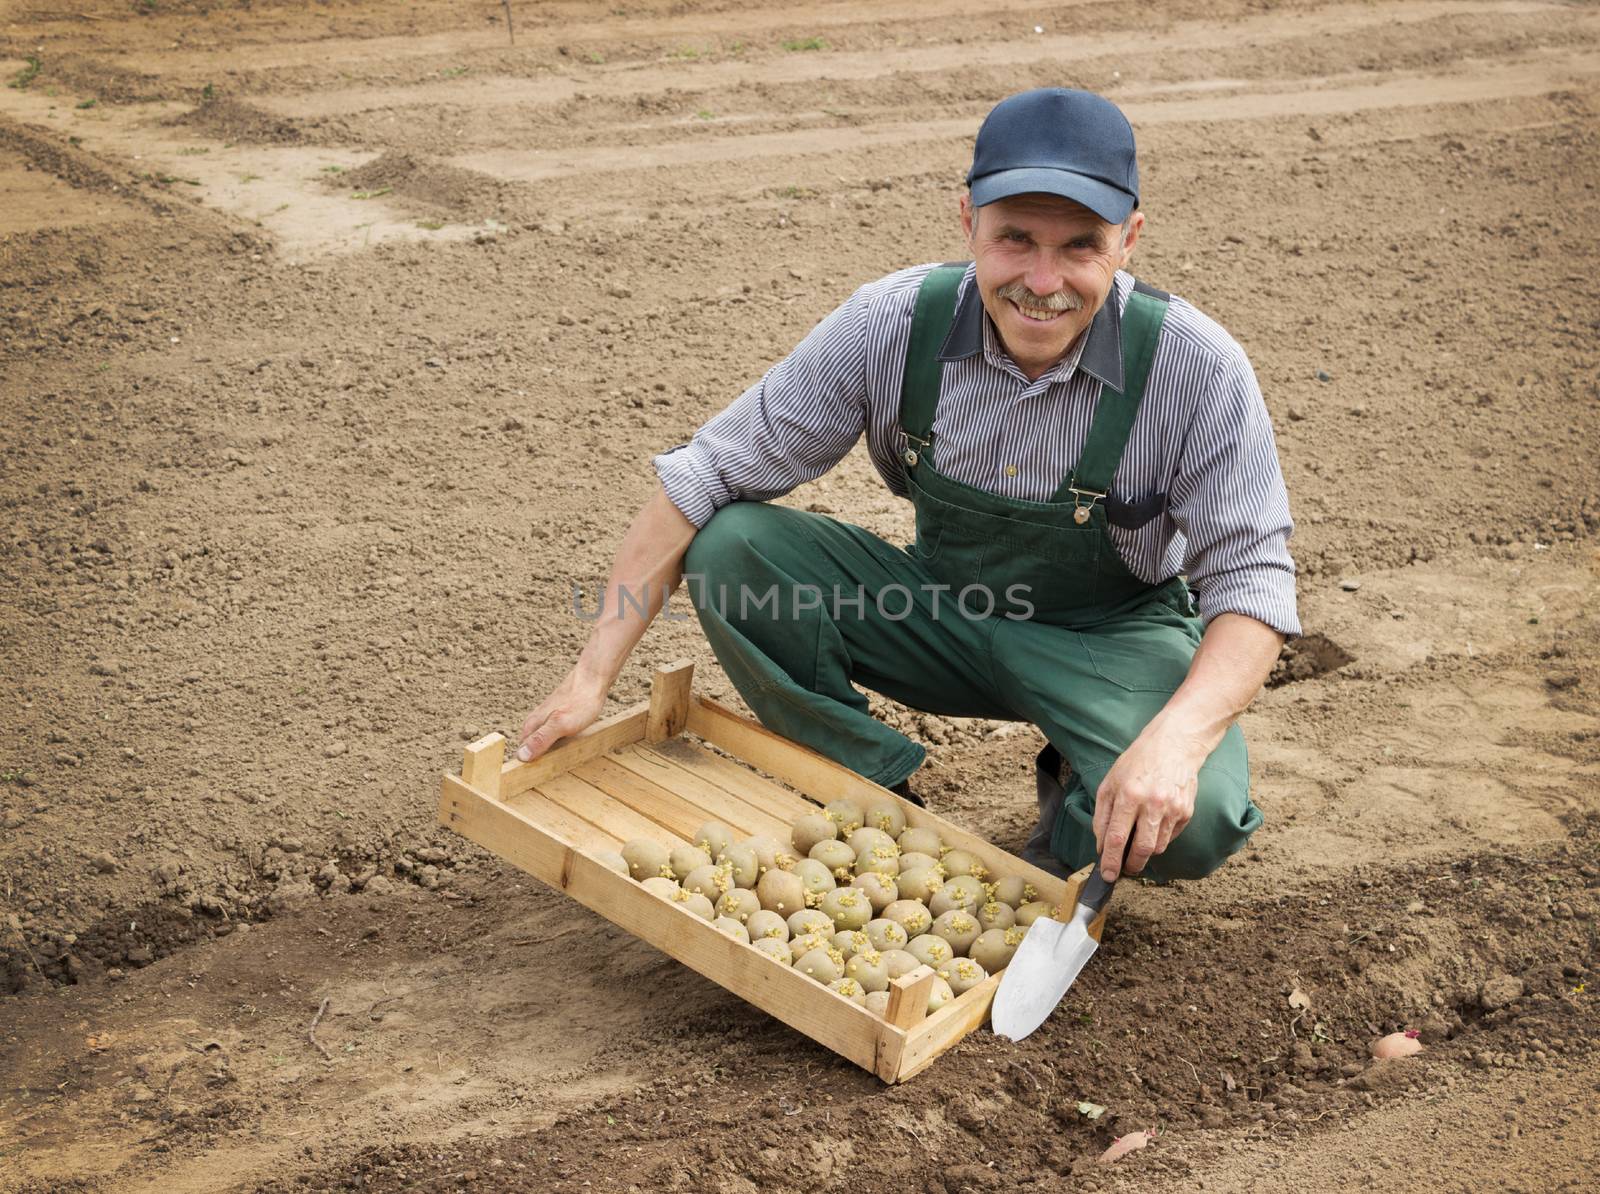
(1202, 435)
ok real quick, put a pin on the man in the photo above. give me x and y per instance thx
(1073, 442)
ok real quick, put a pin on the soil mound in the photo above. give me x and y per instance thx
(428, 184)
(234, 121)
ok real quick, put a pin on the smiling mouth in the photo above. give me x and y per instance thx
(1036, 314)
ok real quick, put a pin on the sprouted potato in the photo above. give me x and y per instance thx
(867, 968)
(663, 888)
(836, 856)
(995, 915)
(1032, 911)
(781, 892)
(897, 962)
(887, 816)
(710, 881)
(885, 860)
(770, 853)
(729, 927)
(881, 891)
(956, 894)
(809, 920)
(963, 974)
(921, 841)
(910, 915)
(714, 838)
(850, 942)
(1012, 890)
(848, 906)
(850, 989)
(867, 836)
(811, 829)
(940, 995)
(886, 934)
(645, 858)
(994, 948)
(685, 859)
(878, 1003)
(920, 885)
(824, 965)
(803, 943)
(915, 861)
(930, 950)
(774, 948)
(738, 904)
(958, 928)
(696, 903)
(767, 924)
(613, 861)
(964, 862)
(846, 814)
(817, 879)
(742, 863)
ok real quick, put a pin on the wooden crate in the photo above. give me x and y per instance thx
(637, 774)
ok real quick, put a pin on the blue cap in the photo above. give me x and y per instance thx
(1059, 142)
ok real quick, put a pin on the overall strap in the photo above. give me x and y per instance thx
(1114, 415)
(919, 390)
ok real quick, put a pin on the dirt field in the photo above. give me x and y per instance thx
(337, 337)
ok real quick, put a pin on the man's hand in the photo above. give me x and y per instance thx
(1147, 798)
(570, 709)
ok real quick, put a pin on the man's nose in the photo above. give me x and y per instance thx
(1044, 278)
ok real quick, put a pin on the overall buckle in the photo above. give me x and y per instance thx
(1081, 508)
(910, 455)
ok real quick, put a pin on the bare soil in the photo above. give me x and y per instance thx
(337, 337)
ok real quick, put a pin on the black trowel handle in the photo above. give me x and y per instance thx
(1096, 891)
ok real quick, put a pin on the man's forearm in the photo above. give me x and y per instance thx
(649, 565)
(1233, 661)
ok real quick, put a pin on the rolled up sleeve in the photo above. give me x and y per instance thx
(1229, 501)
(792, 426)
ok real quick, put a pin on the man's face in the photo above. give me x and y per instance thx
(1045, 266)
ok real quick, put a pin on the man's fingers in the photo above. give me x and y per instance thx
(1145, 840)
(1119, 827)
(1104, 798)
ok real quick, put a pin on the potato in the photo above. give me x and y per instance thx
(660, 887)
(738, 904)
(956, 893)
(848, 906)
(897, 962)
(781, 892)
(850, 942)
(886, 934)
(958, 928)
(995, 915)
(910, 916)
(885, 860)
(850, 989)
(866, 836)
(714, 838)
(963, 974)
(824, 965)
(710, 881)
(921, 841)
(1033, 910)
(846, 814)
(767, 924)
(915, 861)
(886, 815)
(964, 862)
(1014, 891)
(940, 995)
(696, 903)
(645, 858)
(881, 890)
(868, 969)
(878, 1002)
(770, 853)
(729, 927)
(804, 943)
(809, 830)
(685, 859)
(930, 950)
(920, 885)
(742, 862)
(836, 856)
(817, 879)
(809, 920)
(774, 948)
(994, 948)
(611, 860)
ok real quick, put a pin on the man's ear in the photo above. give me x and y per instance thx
(969, 218)
(1135, 226)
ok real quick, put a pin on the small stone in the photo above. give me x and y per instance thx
(431, 854)
(565, 319)
(139, 955)
(104, 863)
(434, 363)
(1350, 585)
(105, 667)
(290, 845)
(334, 749)
(511, 423)
(379, 885)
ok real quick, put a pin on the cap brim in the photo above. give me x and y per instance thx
(1111, 204)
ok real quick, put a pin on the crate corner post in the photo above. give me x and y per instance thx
(669, 701)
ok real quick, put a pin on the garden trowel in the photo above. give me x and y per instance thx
(1050, 959)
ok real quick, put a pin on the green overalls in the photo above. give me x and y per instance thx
(801, 608)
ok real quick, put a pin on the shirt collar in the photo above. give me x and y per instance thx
(1098, 352)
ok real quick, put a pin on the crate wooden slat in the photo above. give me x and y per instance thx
(636, 775)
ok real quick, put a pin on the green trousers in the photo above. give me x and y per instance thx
(800, 609)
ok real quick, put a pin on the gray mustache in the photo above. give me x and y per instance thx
(1061, 300)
